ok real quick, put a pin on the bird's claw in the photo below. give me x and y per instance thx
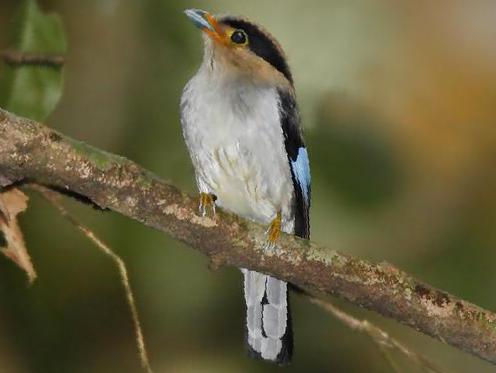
(273, 233)
(207, 201)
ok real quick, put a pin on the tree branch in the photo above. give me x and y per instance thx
(31, 151)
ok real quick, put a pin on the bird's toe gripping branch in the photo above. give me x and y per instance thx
(207, 202)
(273, 233)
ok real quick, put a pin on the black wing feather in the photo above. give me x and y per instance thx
(293, 141)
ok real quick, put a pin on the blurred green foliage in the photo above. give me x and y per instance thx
(33, 91)
(353, 153)
(379, 188)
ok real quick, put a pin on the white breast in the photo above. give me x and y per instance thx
(234, 136)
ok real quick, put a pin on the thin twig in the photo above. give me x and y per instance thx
(385, 351)
(52, 197)
(16, 58)
(379, 336)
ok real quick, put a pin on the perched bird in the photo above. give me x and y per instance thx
(241, 125)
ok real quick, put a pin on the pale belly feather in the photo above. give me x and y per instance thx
(237, 148)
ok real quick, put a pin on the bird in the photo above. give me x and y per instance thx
(241, 125)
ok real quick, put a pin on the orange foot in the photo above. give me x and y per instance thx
(207, 201)
(273, 232)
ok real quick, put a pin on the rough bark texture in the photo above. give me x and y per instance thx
(30, 151)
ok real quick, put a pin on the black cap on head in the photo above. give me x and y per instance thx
(262, 44)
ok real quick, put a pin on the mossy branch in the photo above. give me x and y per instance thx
(31, 151)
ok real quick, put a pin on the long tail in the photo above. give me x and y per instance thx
(268, 321)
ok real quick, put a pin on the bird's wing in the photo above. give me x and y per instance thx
(298, 161)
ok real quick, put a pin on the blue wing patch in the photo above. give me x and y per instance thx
(301, 171)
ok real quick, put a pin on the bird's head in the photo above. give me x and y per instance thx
(241, 48)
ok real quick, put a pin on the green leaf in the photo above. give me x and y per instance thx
(33, 91)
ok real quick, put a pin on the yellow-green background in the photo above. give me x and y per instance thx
(399, 104)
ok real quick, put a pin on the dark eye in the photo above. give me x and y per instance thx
(239, 37)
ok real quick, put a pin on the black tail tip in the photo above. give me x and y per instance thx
(283, 359)
(286, 354)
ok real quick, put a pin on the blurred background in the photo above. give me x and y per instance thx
(398, 102)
